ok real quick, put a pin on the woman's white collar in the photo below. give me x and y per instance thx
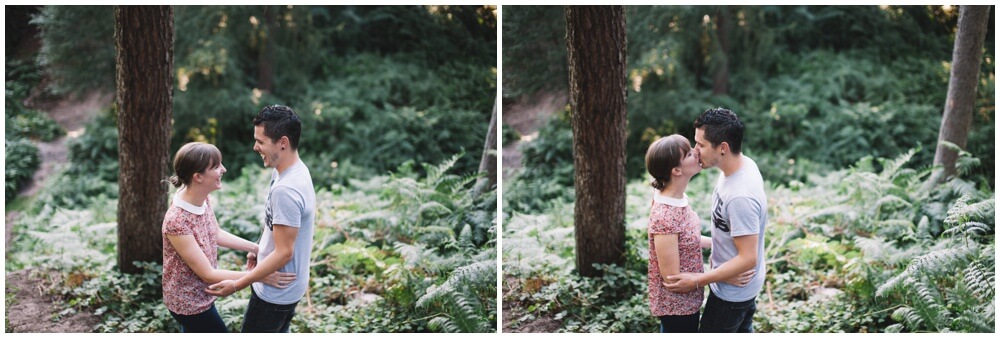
(194, 209)
(675, 202)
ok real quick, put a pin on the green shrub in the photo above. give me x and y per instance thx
(21, 157)
(406, 252)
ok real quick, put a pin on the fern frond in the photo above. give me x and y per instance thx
(891, 168)
(907, 317)
(936, 263)
(482, 273)
(441, 323)
(981, 281)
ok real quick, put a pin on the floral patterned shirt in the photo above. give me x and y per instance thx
(674, 216)
(183, 291)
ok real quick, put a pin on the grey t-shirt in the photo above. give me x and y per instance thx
(739, 209)
(291, 201)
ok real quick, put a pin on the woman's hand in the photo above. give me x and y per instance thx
(279, 279)
(251, 260)
(742, 279)
(222, 289)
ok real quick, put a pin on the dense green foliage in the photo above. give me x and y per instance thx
(400, 82)
(22, 125)
(399, 253)
(855, 250)
(818, 87)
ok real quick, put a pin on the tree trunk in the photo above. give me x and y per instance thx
(595, 41)
(488, 163)
(958, 109)
(720, 84)
(265, 70)
(144, 40)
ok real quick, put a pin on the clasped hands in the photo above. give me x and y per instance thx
(227, 287)
(688, 281)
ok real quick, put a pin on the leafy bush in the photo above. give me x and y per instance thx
(547, 171)
(406, 252)
(872, 248)
(92, 169)
(404, 81)
(21, 157)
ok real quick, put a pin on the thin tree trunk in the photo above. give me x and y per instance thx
(958, 109)
(265, 70)
(488, 163)
(144, 42)
(720, 84)
(595, 40)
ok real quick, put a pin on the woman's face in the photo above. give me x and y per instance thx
(212, 177)
(690, 164)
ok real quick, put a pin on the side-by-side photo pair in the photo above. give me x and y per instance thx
(500, 169)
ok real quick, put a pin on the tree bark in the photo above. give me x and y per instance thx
(144, 57)
(720, 83)
(265, 71)
(958, 109)
(595, 41)
(488, 163)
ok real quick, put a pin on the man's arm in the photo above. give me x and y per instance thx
(284, 243)
(746, 259)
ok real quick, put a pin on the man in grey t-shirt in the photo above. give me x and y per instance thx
(286, 241)
(739, 215)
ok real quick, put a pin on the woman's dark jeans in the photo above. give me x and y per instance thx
(679, 324)
(208, 321)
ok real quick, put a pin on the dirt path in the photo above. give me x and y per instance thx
(31, 309)
(526, 115)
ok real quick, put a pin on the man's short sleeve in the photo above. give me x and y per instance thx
(287, 206)
(744, 216)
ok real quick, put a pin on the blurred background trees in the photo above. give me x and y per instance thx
(817, 86)
(401, 82)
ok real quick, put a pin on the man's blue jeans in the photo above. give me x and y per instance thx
(265, 317)
(207, 321)
(728, 317)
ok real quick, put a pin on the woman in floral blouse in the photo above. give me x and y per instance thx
(191, 237)
(675, 240)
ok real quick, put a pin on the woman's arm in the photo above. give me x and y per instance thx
(231, 241)
(706, 242)
(667, 254)
(195, 258)
(189, 251)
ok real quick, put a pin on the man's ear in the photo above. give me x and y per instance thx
(283, 142)
(724, 147)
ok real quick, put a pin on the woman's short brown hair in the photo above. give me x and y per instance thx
(664, 155)
(192, 158)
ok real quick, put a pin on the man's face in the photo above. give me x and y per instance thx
(709, 156)
(266, 147)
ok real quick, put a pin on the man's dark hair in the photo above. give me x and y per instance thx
(721, 125)
(279, 121)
